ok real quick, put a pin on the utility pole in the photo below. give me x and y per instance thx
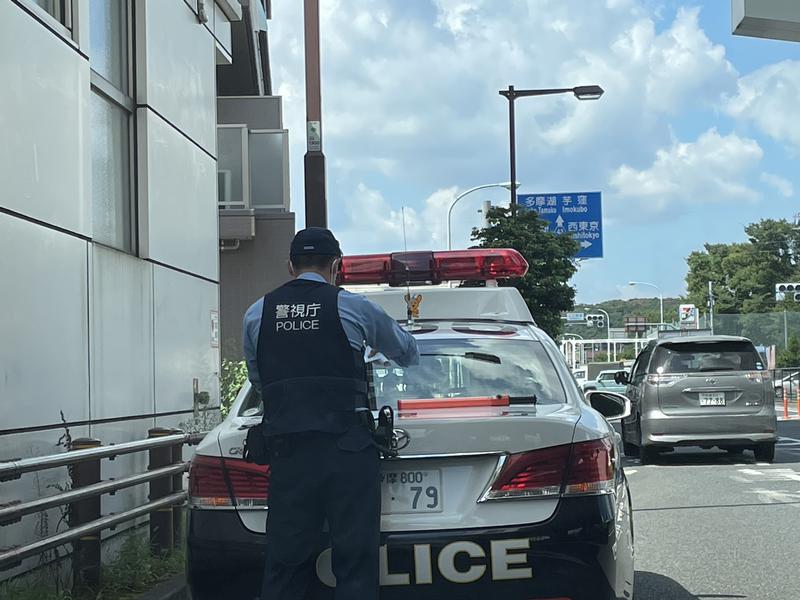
(314, 162)
(711, 305)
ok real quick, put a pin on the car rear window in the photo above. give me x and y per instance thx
(697, 357)
(461, 368)
(458, 368)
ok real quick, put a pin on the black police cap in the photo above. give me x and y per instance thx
(314, 240)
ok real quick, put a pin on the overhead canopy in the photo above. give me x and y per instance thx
(772, 19)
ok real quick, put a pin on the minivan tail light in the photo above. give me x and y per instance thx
(213, 479)
(655, 379)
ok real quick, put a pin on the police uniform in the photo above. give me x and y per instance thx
(304, 345)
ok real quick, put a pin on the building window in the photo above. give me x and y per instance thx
(112, 114)
(60, 10)
(111, 185)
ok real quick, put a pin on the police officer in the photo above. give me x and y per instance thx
(304, 344)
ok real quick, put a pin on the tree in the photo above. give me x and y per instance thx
(790, 356)
(550, 257)
(744, 274)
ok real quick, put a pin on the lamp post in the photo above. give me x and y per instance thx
(582, 92)
(660, 295)
(506, 184)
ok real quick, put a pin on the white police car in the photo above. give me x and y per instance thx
(507, 485)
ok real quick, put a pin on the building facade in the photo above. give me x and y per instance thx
(109, 225)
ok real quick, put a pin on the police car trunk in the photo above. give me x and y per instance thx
(489, 430)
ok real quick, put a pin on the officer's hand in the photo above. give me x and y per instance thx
(376, 356)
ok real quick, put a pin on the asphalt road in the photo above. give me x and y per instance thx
(709, 526)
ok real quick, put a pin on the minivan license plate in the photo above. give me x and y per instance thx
(411, 491)
(712, 399)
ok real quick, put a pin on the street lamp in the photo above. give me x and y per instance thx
(506, 184)
(581, 92)
(660, 295)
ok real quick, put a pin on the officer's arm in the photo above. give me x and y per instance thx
(386, 336)
(250, 329)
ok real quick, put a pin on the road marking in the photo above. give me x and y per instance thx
(631, 471)
(778, 497)
(787, 441)
(756, 476)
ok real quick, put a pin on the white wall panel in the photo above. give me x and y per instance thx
(179, 78)
(183, 348)
(44, 152)
(222, 29)
(178, 199)
(122, 334)
(44, 333)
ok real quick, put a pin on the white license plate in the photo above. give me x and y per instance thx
(712, 399)
(411, 491)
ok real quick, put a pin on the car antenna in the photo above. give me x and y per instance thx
(409, 309)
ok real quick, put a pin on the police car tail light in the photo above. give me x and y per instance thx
(591, 468)
(415, 268)
(535, 474)
(212, 480)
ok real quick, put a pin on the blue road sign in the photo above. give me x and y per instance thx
(580, 215)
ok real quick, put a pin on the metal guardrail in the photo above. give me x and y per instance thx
(165, 502)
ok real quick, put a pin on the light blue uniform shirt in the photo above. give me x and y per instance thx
(364, 323)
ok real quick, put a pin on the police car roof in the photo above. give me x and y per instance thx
(453, 330)
(442, 303)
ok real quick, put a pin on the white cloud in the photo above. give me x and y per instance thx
(714, 168)
(768, 97)
(371, 223)
(783, 186)
(410, 89)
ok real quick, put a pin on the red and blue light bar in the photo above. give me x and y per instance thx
(415, 268)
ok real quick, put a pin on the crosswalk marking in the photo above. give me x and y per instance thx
(763, 475)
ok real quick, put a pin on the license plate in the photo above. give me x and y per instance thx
(712, 399)
(411, 491)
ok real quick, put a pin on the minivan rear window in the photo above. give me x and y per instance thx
(698, 357)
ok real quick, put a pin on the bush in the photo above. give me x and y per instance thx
(234, 374)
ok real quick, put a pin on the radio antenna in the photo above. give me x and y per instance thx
(409, 310)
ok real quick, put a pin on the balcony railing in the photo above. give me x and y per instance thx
(252, 168)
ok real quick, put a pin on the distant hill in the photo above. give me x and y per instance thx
(619, 309)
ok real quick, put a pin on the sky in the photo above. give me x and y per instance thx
(697, 134)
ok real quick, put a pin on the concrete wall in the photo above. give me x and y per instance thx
(255, 268)
(88, 330)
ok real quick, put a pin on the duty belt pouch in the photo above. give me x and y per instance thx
(384, 433)
(256, 445)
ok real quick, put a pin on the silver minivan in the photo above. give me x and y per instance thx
(700, 391)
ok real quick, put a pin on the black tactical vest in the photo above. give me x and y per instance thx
(311, 378)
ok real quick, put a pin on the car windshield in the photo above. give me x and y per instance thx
(458, 368)
(697, 357)
(606, 376)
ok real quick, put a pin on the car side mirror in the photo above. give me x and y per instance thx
(612, 406)
(621, 378)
